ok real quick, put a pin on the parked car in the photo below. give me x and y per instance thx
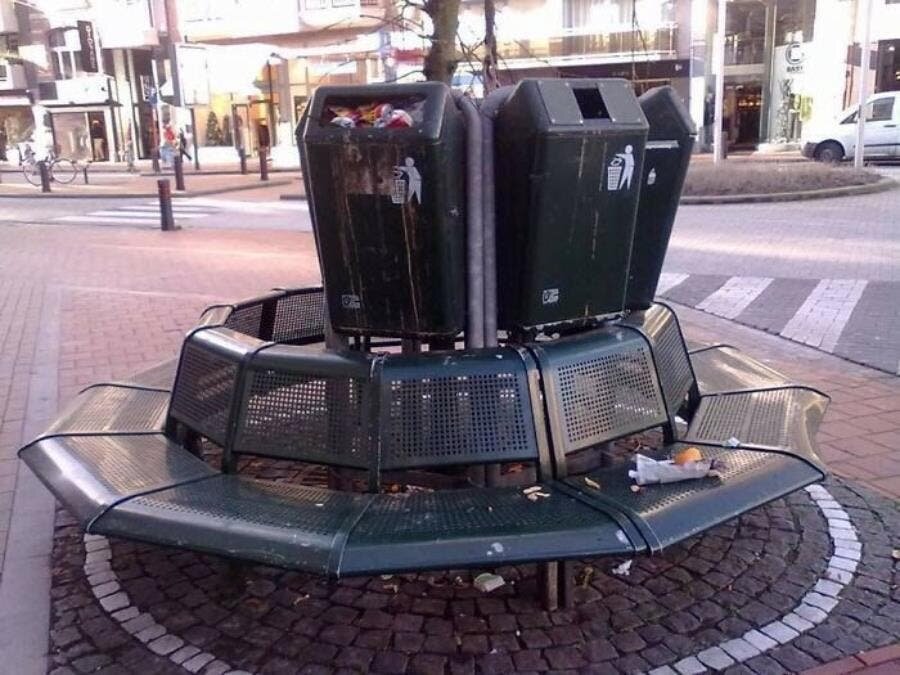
(837, 141)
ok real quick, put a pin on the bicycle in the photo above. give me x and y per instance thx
(62, 170)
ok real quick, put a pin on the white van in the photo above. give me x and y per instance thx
(837, 140)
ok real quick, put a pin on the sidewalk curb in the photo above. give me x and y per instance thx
(146, 195)
(881, 185)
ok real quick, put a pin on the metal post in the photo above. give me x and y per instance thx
(719, 57)
(179, 172)
(85, 173)
(864, 58)
(194, 139)
(166, 218)
(242, 157)
(263, 164)
(44, 168)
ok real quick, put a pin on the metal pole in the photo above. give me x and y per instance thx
(166, 218)
(242, 156)
(45, 175)
(263, 163)
(194, 138)
(179, 172)
(85, 172)
(719, 58)
(864, 58)
(271, 106)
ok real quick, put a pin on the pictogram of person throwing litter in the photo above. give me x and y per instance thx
(620, 171)
(407, 183)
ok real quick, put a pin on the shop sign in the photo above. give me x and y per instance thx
(88, 47)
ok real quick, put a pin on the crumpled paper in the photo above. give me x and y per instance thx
(650, 471)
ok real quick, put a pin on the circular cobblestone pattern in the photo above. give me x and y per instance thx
(802, 581)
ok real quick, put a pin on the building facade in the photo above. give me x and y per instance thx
(100, 80)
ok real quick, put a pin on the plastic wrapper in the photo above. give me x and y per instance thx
(399, 114)
(650, 471)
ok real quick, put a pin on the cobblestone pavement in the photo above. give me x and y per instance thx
(762, 594)
(79, 305)
(825, 273)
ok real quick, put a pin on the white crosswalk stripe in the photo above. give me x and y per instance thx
(734, 296)
(184, 209)
(822, 317)
(146, 213)
(668, 280)
(818, 321)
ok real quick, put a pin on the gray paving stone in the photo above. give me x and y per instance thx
(690, 666)
(715, 657)
(150, 633)
(165, 645)
(184, 653)
(779, 632)
(196, 663)
(761, 642)
(113, 602)
(740, 649)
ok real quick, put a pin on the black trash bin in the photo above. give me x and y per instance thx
(386, 185)
(568, 164)
(670, 142)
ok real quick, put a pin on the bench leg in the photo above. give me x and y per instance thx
(548, 583)
(567, 583)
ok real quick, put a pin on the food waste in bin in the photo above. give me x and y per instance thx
(401, 114)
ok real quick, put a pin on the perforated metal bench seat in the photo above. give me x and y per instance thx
(667, 514)
(113, 408)
(723, 368)
(343, 533)
(784, 419)
(91, 473)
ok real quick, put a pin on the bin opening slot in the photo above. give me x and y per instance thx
(591, 103)
(385, 112)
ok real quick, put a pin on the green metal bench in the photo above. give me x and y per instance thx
(254, 379)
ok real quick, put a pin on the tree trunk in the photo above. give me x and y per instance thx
(489, 68)
(441, 60)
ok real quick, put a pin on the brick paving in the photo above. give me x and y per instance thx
(115, 301)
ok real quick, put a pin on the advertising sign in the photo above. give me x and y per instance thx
(88, 47)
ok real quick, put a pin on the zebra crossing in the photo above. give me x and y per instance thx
(139, 214)
(857, 319)
(193, 210)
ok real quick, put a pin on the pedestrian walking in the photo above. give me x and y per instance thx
(183, 144)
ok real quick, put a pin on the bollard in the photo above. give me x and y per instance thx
(44, 168)
(179, 173)
(242, 155)
(154, 155)
(84, 171)
(166, 219)
(263, 164)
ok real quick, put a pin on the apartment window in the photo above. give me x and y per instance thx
(315, 4)
(65, 53)
(343, 3)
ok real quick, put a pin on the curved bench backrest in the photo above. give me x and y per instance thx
(454, 408)
(600, 386)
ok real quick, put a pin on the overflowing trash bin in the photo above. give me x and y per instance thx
(670, 142)
(569, 157)
(385, 178)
